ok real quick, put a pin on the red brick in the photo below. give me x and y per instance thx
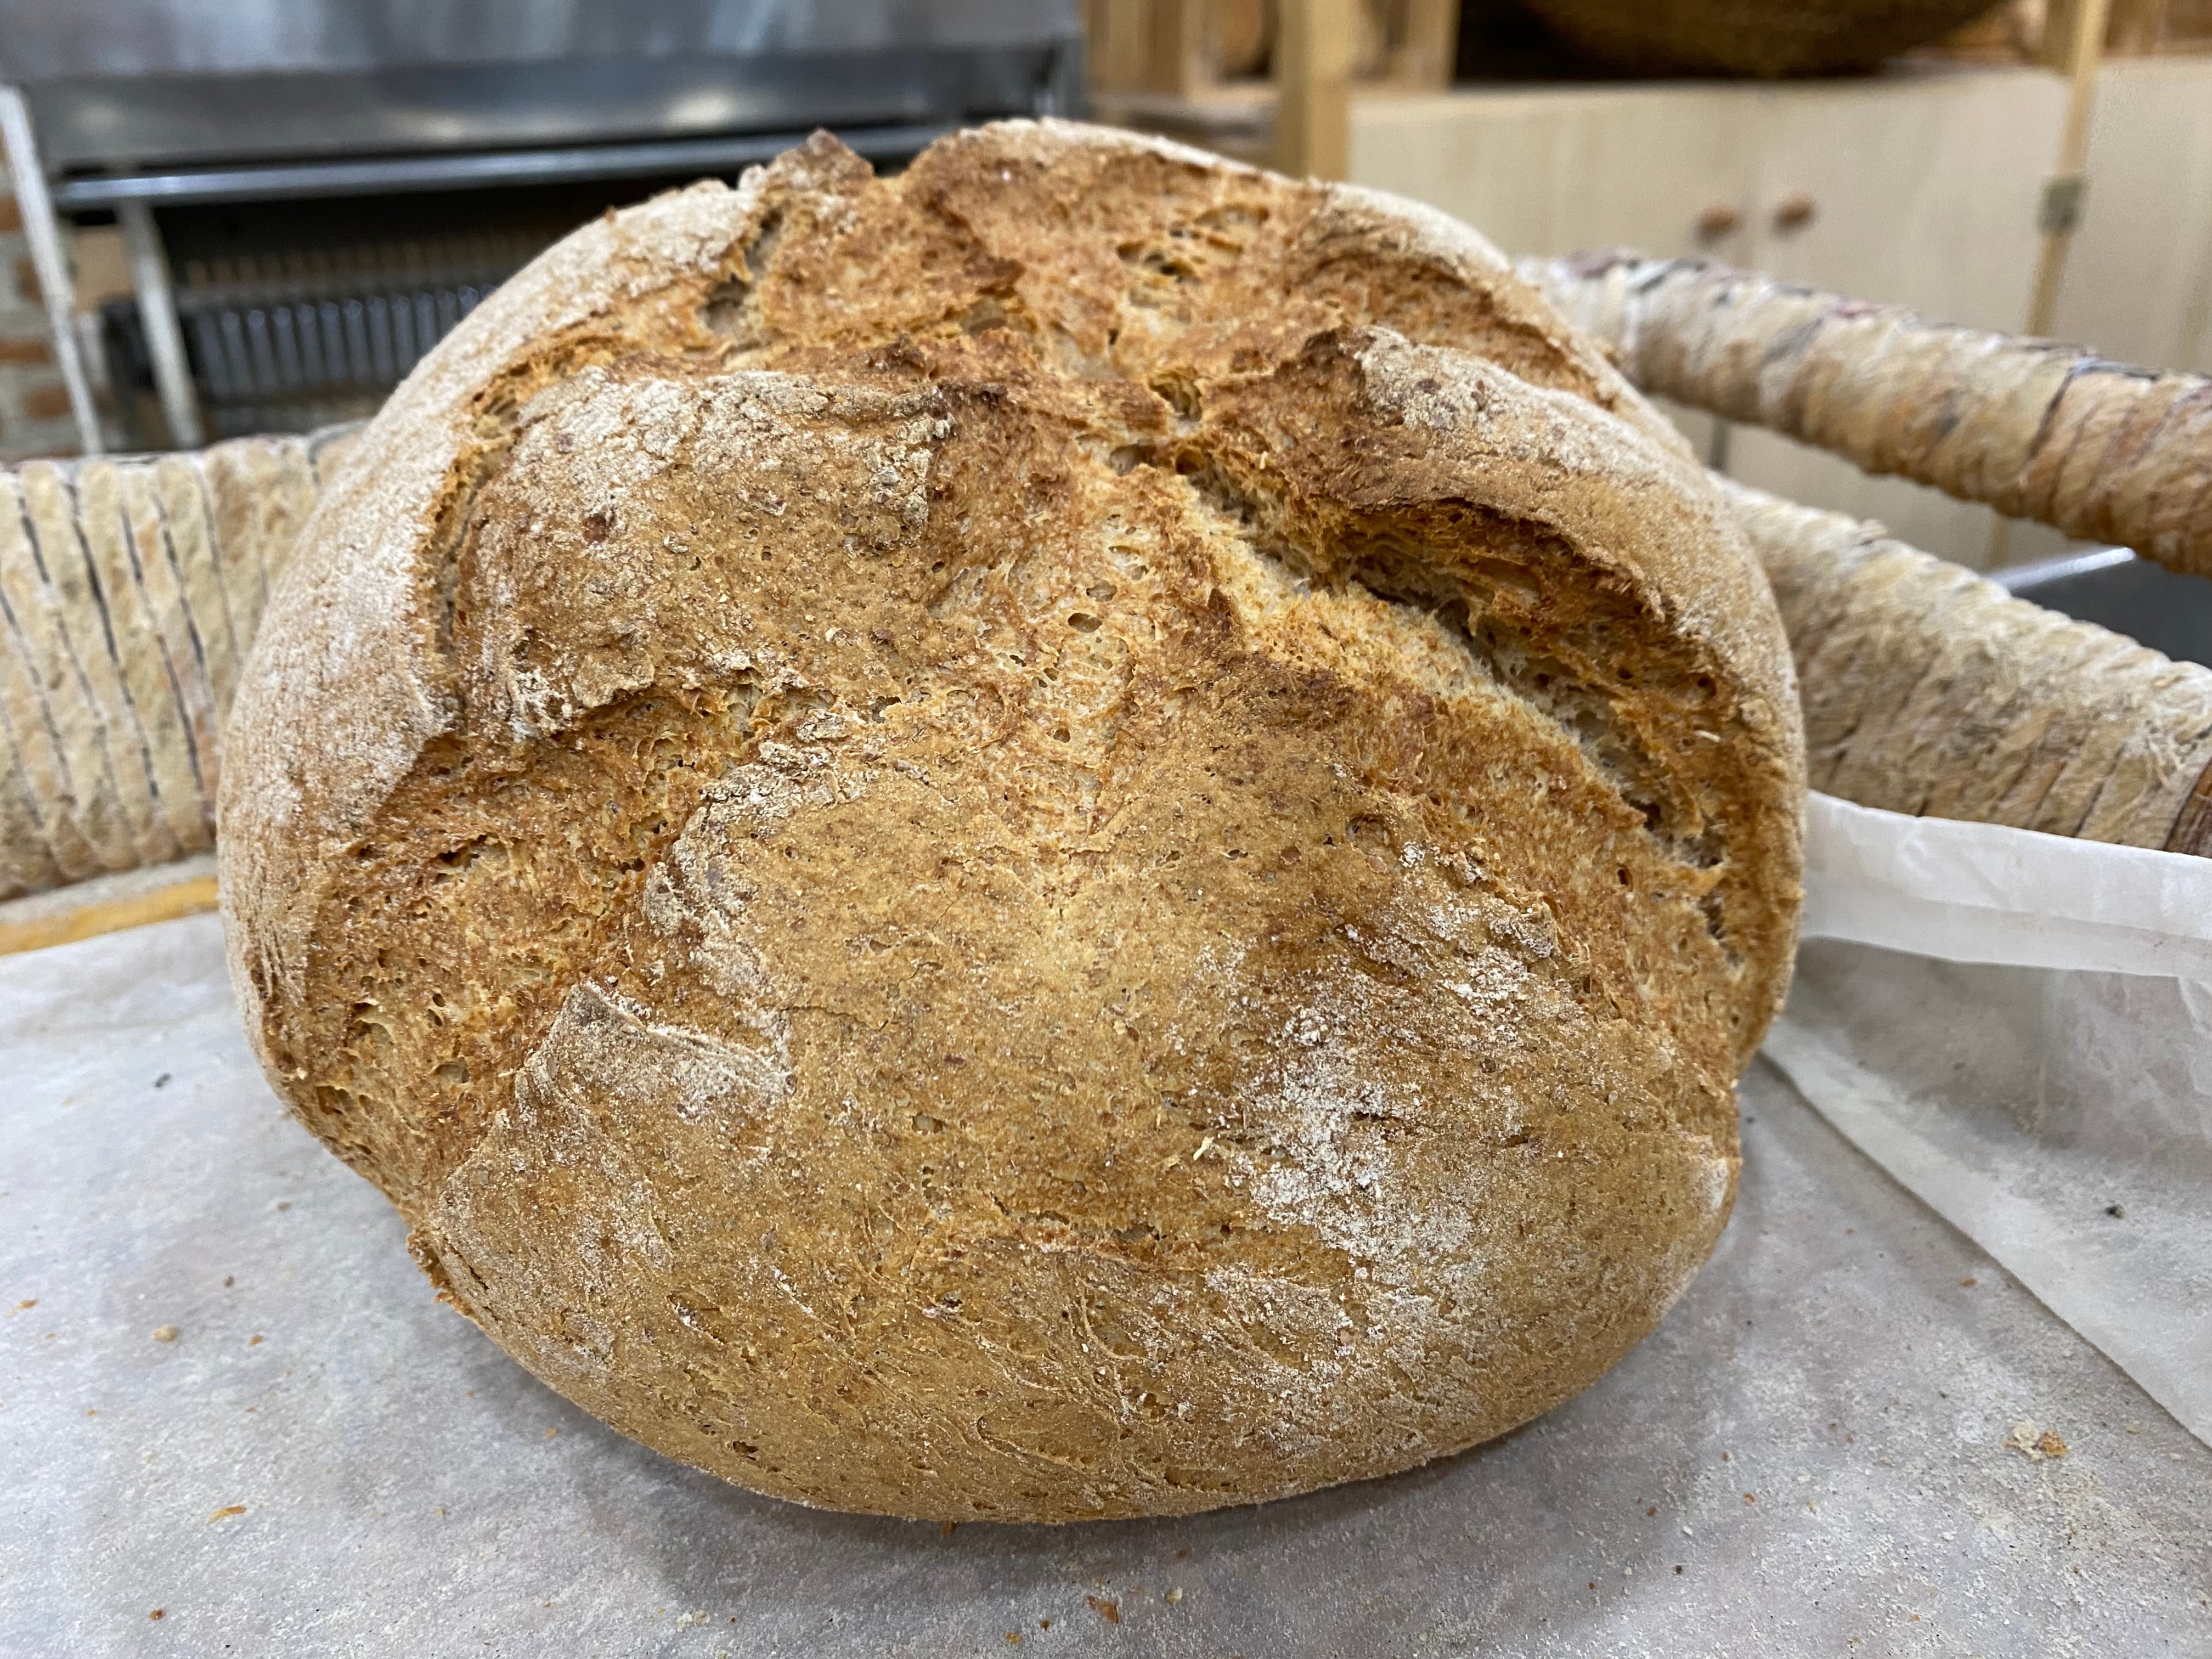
(49, 401)
(25, 348)
(12, 216)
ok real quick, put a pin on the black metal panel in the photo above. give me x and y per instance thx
(495, 169)
(161, 123)
(287, 346)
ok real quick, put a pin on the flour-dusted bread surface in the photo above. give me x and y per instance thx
(1081, 833)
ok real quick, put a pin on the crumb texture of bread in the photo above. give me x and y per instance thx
(1084, 833)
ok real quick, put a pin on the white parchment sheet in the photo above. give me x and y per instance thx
(2019, 1028)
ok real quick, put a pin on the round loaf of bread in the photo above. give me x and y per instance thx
(1083, 833)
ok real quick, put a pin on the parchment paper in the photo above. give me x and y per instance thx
(226, 1397)
(2019, 1028)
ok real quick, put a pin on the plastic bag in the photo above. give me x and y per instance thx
(2017, 1027)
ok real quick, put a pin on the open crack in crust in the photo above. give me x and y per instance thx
(1082, 834)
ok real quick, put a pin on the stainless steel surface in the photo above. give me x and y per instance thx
(1810, 1457)
(27, 179)
(157, 313)
(48, 39)
(414, 174)
(163, 123)
(2115, 589)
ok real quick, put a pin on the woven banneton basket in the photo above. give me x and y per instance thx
(1750, 37)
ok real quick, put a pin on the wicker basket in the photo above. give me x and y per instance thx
(1750, 37)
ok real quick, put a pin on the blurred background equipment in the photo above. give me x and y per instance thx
(1210, 70)
(261, 219)
(1750, 37)
(275, 210)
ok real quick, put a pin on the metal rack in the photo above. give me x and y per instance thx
(288, 345)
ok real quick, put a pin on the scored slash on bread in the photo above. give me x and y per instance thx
(33, 731)
(27, 862)
(180, 488)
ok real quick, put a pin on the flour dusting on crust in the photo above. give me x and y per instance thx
(1081, 833)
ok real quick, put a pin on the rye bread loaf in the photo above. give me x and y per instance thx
(1084, 833)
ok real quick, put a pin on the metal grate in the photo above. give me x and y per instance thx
(291, 341)
(306, 338)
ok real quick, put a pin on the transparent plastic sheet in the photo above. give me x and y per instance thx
(2017, 1027)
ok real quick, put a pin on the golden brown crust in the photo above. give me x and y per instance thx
(1083, 834)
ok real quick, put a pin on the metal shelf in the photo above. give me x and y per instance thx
(385, 175)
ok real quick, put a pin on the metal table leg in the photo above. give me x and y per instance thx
(157, 311)
(43, 231)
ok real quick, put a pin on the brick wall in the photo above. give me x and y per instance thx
(34, 409)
